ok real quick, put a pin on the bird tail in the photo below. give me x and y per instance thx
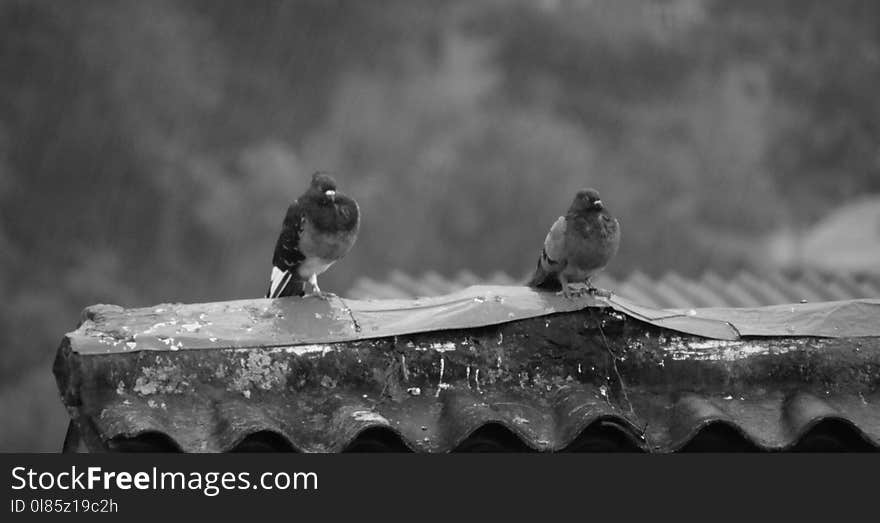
(544, 279)
(285, 283)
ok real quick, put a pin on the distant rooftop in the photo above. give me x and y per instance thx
(745, 289)
(848, 239)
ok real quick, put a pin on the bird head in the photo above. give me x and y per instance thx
(323, 187)
(587, 200)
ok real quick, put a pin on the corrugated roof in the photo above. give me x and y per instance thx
(241, 376)
(744, 289)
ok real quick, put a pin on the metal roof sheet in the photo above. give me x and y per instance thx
(310, 320)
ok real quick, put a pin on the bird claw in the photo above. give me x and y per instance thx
(571, 292)
(597, 292)
(326, 296)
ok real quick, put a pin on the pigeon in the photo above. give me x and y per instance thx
(579, 245)
(320, 227)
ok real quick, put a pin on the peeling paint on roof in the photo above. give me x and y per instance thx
(721, 350)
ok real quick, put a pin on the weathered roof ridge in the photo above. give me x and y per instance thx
(557, 375)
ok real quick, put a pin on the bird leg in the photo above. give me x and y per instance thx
(313, 281)
(316, 291)
(567, 291)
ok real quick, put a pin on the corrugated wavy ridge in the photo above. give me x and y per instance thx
(580, 420)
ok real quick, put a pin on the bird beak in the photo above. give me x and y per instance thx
(330, 194)
(598, 204)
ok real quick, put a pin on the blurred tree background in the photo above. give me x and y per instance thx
(148, 150)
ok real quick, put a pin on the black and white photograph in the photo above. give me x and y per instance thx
(439, 227)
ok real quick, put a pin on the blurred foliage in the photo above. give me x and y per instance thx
(148, 150)
(824, 63)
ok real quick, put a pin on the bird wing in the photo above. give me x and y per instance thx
(552, 259)
(553, 256)
(284, 279)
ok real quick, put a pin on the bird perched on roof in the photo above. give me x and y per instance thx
(320, 228)
(579, 245)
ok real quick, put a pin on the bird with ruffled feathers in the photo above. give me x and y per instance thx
(578, 246)
(320, 227)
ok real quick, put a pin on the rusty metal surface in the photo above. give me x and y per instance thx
(671, 291)
(589, 379)
(296, 322)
